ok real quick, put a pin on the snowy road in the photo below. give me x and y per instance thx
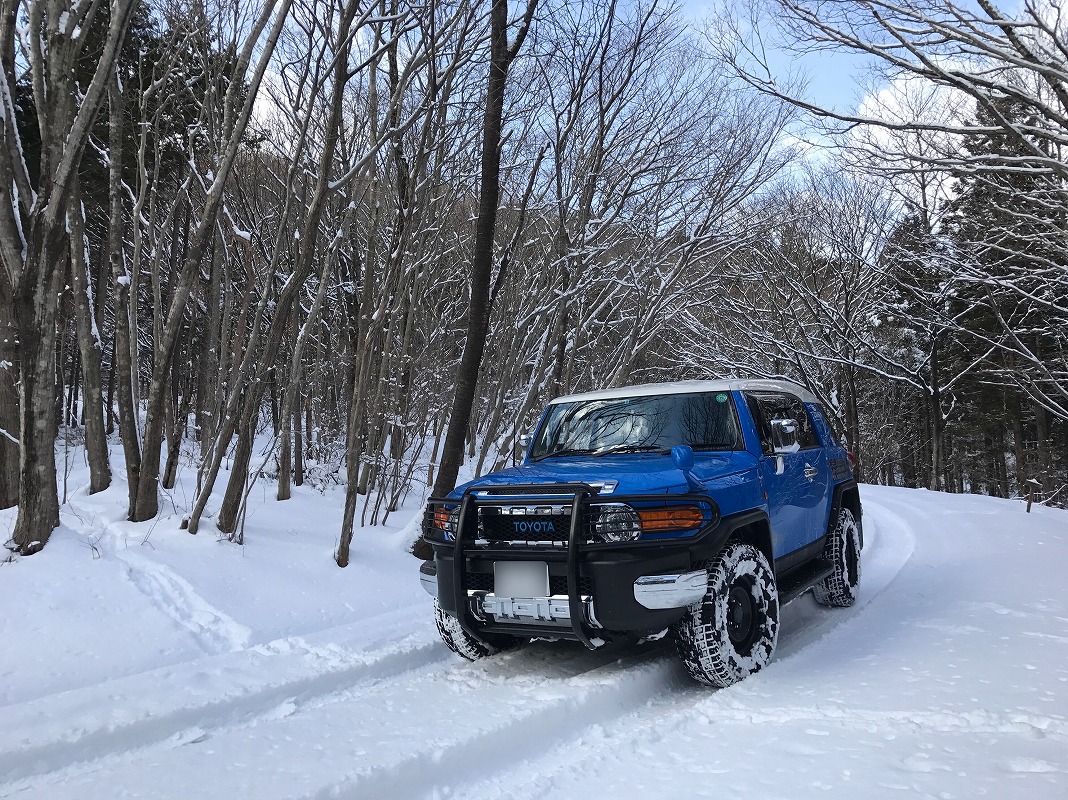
(948, 679)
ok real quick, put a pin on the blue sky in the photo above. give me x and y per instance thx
(834, 79)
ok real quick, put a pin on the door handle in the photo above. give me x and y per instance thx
(811, 472)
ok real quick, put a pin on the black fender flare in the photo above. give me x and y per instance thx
(847, 494)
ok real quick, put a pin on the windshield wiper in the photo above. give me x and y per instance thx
(629, 448)
(716, 446)
(570, 451)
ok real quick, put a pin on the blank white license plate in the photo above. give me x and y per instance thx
(520, 579)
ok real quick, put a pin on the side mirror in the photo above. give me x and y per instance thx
(682, 458)
(784, 436)
(520, 452)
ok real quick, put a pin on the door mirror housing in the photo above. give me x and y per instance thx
(520, 452)
(682, 458)
(784, 436)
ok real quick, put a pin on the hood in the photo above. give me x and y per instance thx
(636, 473)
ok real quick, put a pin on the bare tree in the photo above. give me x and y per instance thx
(502, 54)
(33, 218)
(251, 57)
(998, 61)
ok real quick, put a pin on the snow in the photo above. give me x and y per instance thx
(141, 661)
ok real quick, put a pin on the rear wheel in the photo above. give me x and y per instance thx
(464, 644)
(843, 551)
(732, 632)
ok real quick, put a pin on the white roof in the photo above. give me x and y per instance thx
(688, 387)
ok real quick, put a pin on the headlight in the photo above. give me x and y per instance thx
(446, 519)
(617, 523)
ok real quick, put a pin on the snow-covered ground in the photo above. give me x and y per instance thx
(140, 661)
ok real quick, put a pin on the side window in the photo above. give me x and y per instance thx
(767, 407)
(763, 426)
(823, 427)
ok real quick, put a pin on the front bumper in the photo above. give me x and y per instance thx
(654, 592)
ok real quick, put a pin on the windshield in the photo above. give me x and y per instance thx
(703, 420)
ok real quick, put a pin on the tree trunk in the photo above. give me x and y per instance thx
(298, 445)
(229, 512)
(1043, 452)
(935, 399)
(90, 348)
(290, 411)
(1019, 452)
(207, 375)
(124, 365)
(33, 221)
(285, 459)
(467, 373)
(36, 310)
(9, 403)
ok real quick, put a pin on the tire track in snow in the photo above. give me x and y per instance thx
(679, 715)
(212, 629)
(597, 697)
(375, 740)
(74, 728)
(888, 545)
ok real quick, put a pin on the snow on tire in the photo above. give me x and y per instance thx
(461, 642)
(732, 632)
(843, 551)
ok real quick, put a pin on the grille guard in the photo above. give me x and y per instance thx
(578, 496)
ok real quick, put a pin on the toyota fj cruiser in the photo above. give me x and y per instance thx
(698, 507)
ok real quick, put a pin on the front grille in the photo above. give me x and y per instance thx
(479, 582)
(483, 582)
(494, 526)
(558, 584)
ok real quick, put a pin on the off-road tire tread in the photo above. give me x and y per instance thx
(836, 590)
(701, 636)
(460, 641)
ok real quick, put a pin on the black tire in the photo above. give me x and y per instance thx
(464, 644)
(731, 633)
(839, 589)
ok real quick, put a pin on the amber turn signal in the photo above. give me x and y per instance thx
(672, 518)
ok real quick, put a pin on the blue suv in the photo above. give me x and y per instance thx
(699, 507)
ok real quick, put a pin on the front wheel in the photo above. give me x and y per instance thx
(731, 633)
(464, 644)
(843, 551)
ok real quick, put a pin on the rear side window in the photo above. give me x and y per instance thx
(823, 427)
(765, 407)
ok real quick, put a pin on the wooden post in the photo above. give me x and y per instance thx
(1032, 484)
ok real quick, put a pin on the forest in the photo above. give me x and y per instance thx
(360, 243)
